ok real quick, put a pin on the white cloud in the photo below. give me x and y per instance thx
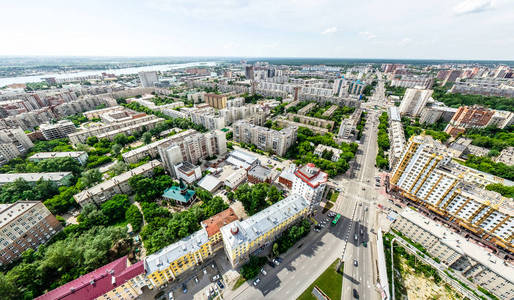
(367, 35)
(473, 6)
(329, 30)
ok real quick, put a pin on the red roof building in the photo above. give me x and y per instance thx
(214, 223)
(102, 280)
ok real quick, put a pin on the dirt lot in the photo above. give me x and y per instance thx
(420, 287)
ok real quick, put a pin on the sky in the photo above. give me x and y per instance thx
(400, 29)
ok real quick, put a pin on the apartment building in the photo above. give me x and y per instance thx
(485, 87)
(148, 79)
(97, 113)
(469, 117)
(472, 261)
(129, 130)
(214, 224)
(215, 100)
(57, 130)
(329, 125)
(414, 101)
(210, 121)
(24, 225)
(241, 238)
(349, 124)
(31, 119)
(264, 138)
(13, 143)
(426, 174)
(82, 104)
(233, 114)
(396, 136)
(450, 76)
(116, 185)
(80, 137)
(412, 81)
(116, 280)
(173, 260)
(310, 182)
(196, 97)
(336, 153)
(287, 176)
(80, 156)
(506, 156)
(193, 148)
(306, 109)
(152, 149)
(432, 114)
(330, 111)
(59, 178)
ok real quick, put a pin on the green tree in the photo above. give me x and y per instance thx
(275, 250)
(134, 217)
(147, 138)
(116, 149)
(91, 140)
(90, 177)
(115, 208)
(121, 139)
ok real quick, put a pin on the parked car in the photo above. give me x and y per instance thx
(184, 288)
(263, 272)
(220, 284)
(196, 279)
(276, 262)
(170, 295)
(279, 258)
(215, 277)
(256, 282)
(356, 237)
(271, 264)
(355, 262)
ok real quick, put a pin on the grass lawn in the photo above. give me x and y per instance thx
(239, 282)
(334, 196)
(330, 282)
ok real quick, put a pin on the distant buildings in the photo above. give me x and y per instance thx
(241, 238)
(414, 101)
(396, 136)
(148, 79)
(24, 225)
(458, 253)
(57, 130)
(426, 174)
(253, 113)
(104, 191)
(449, 76)
(264, 138)
(80, 156)
(116, 280)
(306, 109)
(317, 122)
(348, 125)
(432, 114)
(413, 81)
(485, 87)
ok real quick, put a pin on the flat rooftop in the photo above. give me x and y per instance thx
(9, 212)
(162, 259)
(240, 232)
(460, 244)
(33, 177)
(49, 155)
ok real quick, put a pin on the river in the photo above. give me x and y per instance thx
(37, 78)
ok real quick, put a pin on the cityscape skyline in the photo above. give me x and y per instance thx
(329, 29)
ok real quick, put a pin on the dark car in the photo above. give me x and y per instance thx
(271, 264)
(355, 294)
(184, 288)
(220, 284)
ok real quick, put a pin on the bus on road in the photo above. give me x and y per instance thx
(334, 222)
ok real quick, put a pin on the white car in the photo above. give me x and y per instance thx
(276, 262)
(256, 282)
(264, 272)
(215, 277)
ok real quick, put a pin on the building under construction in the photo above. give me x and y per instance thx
(428, 175)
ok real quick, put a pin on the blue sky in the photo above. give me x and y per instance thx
(439, 29)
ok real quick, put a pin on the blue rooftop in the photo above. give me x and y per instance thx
(178, 194)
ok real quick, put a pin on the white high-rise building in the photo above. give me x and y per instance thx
(414, 101)
(148, 79)
(310, 182)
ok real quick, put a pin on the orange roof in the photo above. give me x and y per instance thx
(214, 223)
